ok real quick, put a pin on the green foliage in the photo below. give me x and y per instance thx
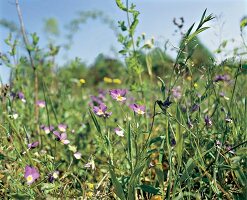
(51, 27)
(189, 142)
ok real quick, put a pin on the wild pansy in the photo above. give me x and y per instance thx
(90, 164)
(18, 95)
(222, 78)
(31, 174)
(118, 94)
(61, 137)
(53, 176)
(228, 119)
(62, 127)
(139, 109)
(101, 110)
(194, 108)
(33, 145)
(77, 155)
(218, 143)
(176, 92)
(47, 129)
(222, 94)
(119, 132)
(21, 96)
(14, 116)
(230, 150)
(40, 103)
(208, 121)
(164, 105)
(95, 101)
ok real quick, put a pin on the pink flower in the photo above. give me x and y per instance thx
(40, 103)
(119, 132)
(61, 137)
(33, 145)
(101, 111)
(77, 155)
(118, 94)
(31, 174)
(139, 109)
(62, 127)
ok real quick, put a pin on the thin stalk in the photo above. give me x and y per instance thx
(27, 45)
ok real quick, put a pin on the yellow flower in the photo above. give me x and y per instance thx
(117, 81)
(89, 194)
(90, 186)
(189, 78)
(195, 85)
(107, 80)
(156, 197)
(82, 81)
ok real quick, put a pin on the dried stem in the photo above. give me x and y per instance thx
(26, 42)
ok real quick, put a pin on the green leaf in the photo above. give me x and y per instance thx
(118, 188)
(160, 174)
(35, 39)
(157, 139)
(149, 189)
(129, 145)
(1, 156)
(20, 196)
(133, 26)
(241, 177)
(243, 23)
(189, 167)
(202, 18)
(179, 138)
(196, 33)
(121, 5)
(95, 121)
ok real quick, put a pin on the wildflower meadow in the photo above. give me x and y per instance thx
(146, 126)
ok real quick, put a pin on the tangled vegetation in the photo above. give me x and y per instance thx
(147, 128)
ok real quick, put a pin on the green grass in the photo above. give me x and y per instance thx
(169, 152)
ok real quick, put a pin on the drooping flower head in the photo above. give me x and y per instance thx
(230, 150)
(194, 107)
(53, 176)
(21, 96)
(164, 105)
(118, 94)
(61, 137)
(33, 145)
(40, 103)
(62, 127)
(139, 109)
(31, 174)
(218, 143)
(101, 110)
(208, 121)
(119, 132)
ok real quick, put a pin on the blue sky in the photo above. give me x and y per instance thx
(155, 20)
